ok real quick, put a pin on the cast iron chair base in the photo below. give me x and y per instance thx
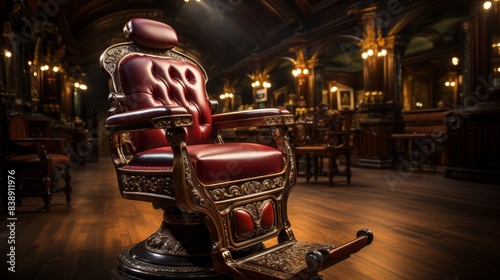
(179, 249)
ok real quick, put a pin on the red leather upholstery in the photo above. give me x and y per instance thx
(214, 163)
(151, 34)
(239, 190)
(160, 84)
(155, 82)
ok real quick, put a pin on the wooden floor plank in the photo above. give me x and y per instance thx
(425, 226)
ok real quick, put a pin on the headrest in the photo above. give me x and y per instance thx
(150, 33)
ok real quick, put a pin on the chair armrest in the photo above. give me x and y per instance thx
(150, 118)
(46, 143)
(248, 118)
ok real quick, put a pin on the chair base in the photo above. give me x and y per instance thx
(179, 249)
(139, 263)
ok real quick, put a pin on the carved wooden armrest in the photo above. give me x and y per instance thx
(150, 118)
(249, 118)
(26, 146)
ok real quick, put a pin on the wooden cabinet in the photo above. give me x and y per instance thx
(374, 148)
(472, 147)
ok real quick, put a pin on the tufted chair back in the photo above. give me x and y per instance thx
(221, 201)
(149, 81)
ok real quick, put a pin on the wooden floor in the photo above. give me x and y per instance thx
(425, 226)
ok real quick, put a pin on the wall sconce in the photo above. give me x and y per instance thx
(497, 45)
(297, 71)
(449, 83)
(373, 42)
(80, 86)
(455, 61)
(265, 84)
(487, 5)
(7, 53)
(226, 95)
(260, 78)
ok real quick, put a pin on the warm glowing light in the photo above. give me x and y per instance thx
(383, 52)
(298, 71)
(226, 95)
(8, 54)
(334, 89)
(447, 84)
(55, 69)
(29, 63)
(370, 52)
(452, 84)
(44, 68)
(364, 55)
(83, 87)
(77, 85)
(455, 60)
(487, 5)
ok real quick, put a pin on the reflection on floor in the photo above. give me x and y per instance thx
(425, 226)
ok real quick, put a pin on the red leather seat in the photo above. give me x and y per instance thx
(228, 162)
(220, 200)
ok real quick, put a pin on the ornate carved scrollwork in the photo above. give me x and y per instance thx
(113, 55)
(184, 240)
(273, 120)
(147, 184)
(246, 188)
(291, 164)
(165, 123)
(288, 259)
(183, 121)
(289, 120)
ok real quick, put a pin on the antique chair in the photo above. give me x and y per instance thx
(221, 201)
(331, 138)
(40, 164)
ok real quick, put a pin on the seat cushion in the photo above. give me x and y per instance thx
(215, 163)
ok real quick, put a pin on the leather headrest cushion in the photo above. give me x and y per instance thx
(150, 33)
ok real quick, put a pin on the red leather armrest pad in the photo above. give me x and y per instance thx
(239, 118)
(144, 115)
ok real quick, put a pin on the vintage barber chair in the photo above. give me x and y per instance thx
(330, 137)
(220, 200)
(40, 164)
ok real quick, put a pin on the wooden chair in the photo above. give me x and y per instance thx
(221, 201)
(40, 164)
(331, 138)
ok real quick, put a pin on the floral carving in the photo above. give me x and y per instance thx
(246, 188)
(147, 184)
(288, 259)
(163, 123)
